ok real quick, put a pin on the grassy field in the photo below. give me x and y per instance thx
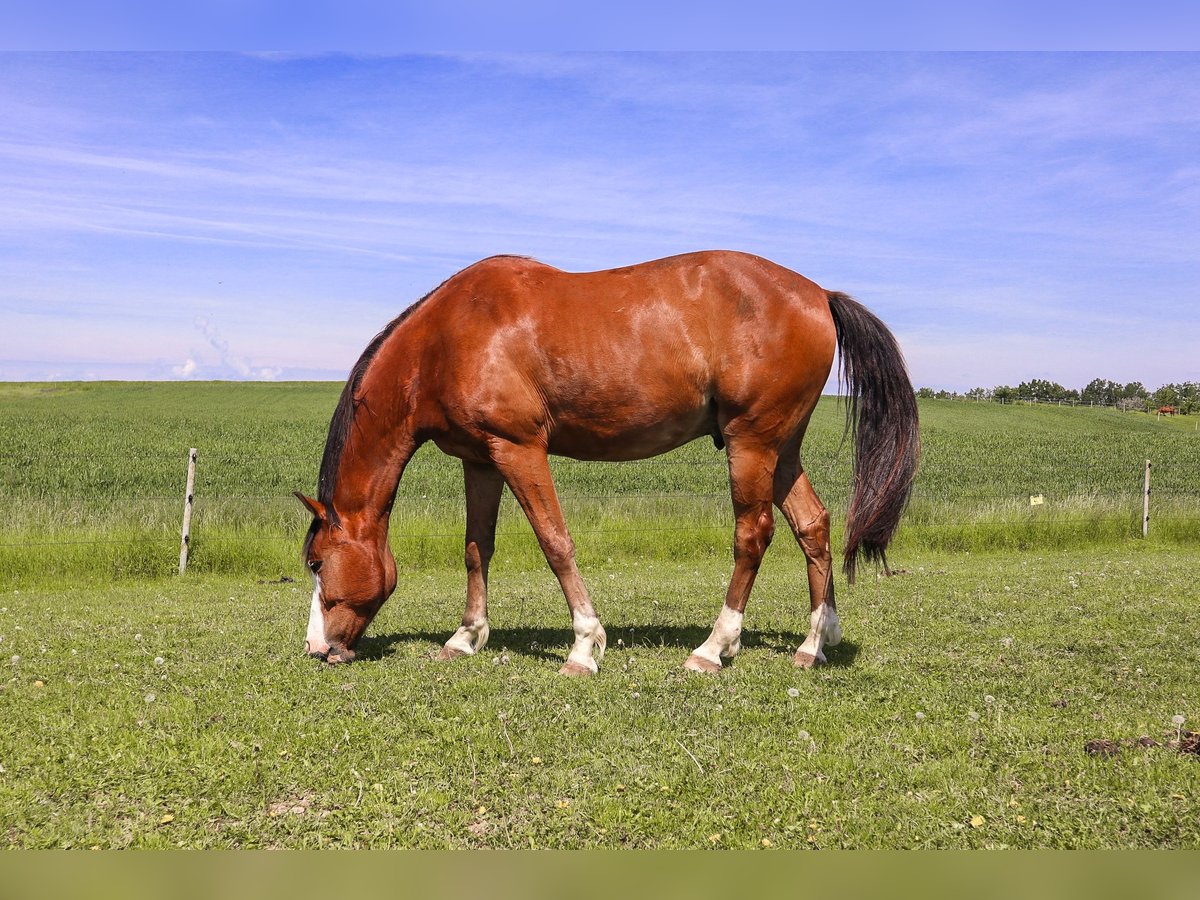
(181, 712)
(91, 483)
(151, 711)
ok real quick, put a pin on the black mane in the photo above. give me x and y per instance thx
(348, 404)
(347, 408)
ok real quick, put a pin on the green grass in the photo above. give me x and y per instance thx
(91, 483)
(965, 688)
(1073, 626)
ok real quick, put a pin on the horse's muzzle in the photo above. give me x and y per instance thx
(337, 654)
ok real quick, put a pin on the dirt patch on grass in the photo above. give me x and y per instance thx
(1187, 742)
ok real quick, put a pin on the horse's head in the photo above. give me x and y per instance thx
(353, 572)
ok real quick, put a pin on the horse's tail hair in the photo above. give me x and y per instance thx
(881, 414)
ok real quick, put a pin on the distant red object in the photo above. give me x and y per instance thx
(1167, 411)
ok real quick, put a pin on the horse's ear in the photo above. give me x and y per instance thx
(316, 507)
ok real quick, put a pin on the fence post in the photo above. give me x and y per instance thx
(185, 538)
(1146, 503)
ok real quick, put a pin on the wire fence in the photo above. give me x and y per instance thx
(123, 499)
(1136, 404)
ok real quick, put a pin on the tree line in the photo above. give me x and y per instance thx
(1183, 397)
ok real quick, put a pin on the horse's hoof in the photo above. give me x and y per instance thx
(575, 670)
(803, 660)
(451, 653)
(696, 663)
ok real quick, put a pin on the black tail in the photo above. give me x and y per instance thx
(882, 414)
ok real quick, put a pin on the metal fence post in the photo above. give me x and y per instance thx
(1146, 503)
(185, 538)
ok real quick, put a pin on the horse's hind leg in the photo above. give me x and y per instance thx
(483, 488)
(750, 474)
(809, 521)
(527, 472)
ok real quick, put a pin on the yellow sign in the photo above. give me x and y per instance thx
(1036, 500)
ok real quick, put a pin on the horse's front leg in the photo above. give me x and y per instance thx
(527, 472)
(484, 485)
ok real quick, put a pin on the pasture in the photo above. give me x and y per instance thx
(148, 710)
(92, 481)
(955, 714)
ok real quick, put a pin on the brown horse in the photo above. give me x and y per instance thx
(511, 360)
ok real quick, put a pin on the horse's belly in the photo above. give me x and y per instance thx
(609, 436)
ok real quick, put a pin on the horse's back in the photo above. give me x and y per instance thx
(631, 361)
(727, 291)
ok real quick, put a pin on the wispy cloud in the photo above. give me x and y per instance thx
(301, 202)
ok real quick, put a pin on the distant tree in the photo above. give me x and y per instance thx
(1135, 389)
(1167, 395)
(1040, 389)
(978, 393)
(1101, 391)
(1004, 394)
(1125, 404)
(944, 395)
(925, 393)
(1189, 397)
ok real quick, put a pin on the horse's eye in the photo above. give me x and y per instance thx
(314, 566)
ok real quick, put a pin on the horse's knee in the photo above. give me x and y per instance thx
(472, 557)
(752, 535)
(559, 550)
(478, 555)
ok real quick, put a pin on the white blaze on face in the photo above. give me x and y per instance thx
(314, 641)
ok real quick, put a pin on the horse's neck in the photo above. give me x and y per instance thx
(382, 441)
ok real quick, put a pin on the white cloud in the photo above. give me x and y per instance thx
(187, 370)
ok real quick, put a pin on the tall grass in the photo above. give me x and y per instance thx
(91, 482)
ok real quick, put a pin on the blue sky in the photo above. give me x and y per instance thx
(262, 215)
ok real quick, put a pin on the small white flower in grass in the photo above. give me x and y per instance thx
(137, 637)
(158, 661)
(1006, 642)
(793, 692)
(15, 659)
(803, 735)
(920, 717)
(1178, 720)
(74, 652)
(635, 695)
(973, 716)
(150, 698)
(989, 699)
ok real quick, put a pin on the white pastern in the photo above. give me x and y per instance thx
(469, 639)
(824, 630)
(589, 636)
(314, 640)
(726, 638)
(833, 628)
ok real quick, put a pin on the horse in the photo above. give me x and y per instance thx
(510, 360)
